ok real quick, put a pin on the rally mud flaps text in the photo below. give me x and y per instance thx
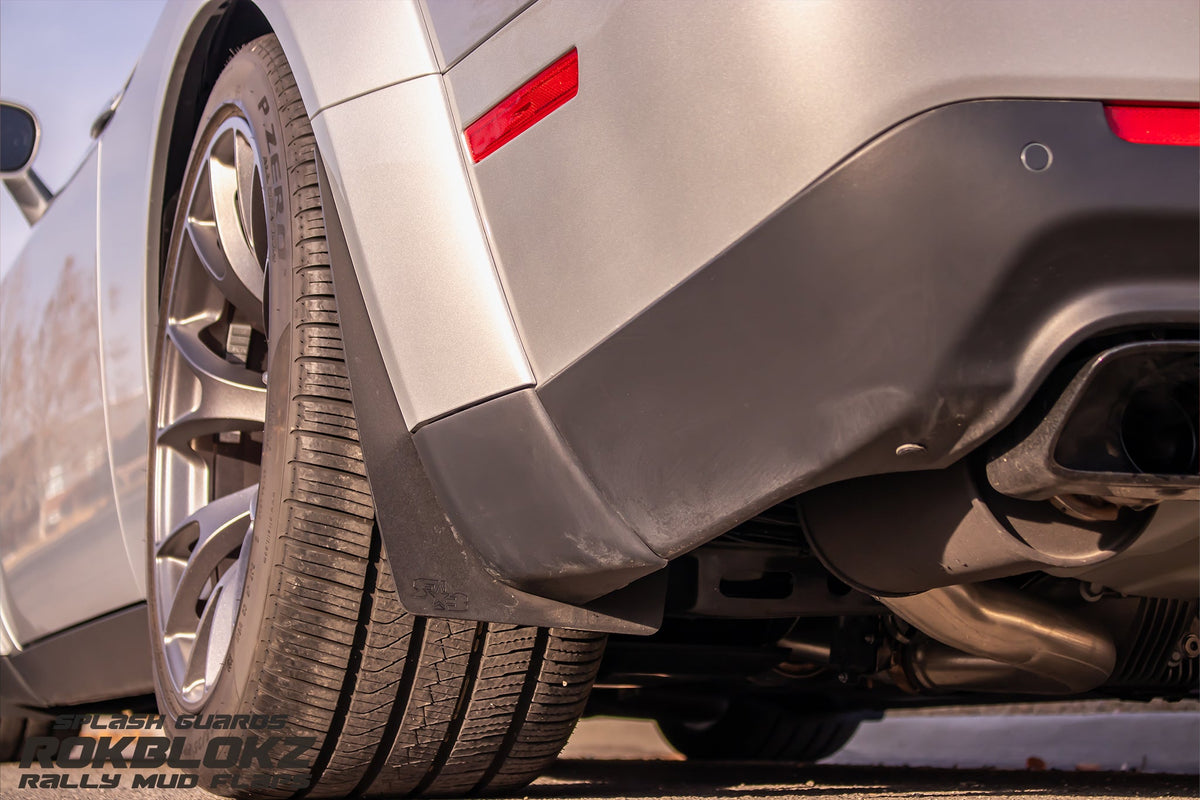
(126, 759)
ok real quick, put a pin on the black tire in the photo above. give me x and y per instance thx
(752, 729)
(394, 703)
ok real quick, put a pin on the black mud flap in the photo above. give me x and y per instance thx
(436, 572)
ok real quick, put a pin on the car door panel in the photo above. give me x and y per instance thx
(63, 561)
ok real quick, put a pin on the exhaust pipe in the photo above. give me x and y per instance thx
(1123, 431)
(1157, 433)
(993, 638)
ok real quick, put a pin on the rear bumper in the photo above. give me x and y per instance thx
(890, 317)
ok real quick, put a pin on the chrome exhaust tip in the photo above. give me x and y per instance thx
(1124, 432)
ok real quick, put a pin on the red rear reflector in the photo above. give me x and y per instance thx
(1155, 124)
(518, 112)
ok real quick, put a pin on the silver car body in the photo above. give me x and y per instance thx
(484, 278)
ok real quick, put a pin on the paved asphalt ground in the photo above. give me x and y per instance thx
(998, 755)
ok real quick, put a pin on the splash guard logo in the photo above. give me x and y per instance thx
(243, 753)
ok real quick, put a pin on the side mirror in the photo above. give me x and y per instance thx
(20, 135)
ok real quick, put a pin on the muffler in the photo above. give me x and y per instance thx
(989, 637)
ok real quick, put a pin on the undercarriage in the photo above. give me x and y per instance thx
(1059, 560)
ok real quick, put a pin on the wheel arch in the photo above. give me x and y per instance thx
(391, 45)
(215, 33)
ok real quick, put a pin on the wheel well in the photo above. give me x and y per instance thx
(231, 25)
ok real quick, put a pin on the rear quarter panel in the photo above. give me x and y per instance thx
(696, 121)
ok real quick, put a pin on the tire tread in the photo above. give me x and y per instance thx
(398, 704)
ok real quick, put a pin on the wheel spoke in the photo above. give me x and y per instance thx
(204, 540)
(219, 222)
(232, 398)
(226, 181)
(245, 166)
(216, 625)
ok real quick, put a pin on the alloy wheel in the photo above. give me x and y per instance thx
(211, 410)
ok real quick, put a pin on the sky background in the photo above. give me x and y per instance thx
(64, 59)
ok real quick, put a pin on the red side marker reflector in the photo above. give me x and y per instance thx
(518, 112)
(1155, 124)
